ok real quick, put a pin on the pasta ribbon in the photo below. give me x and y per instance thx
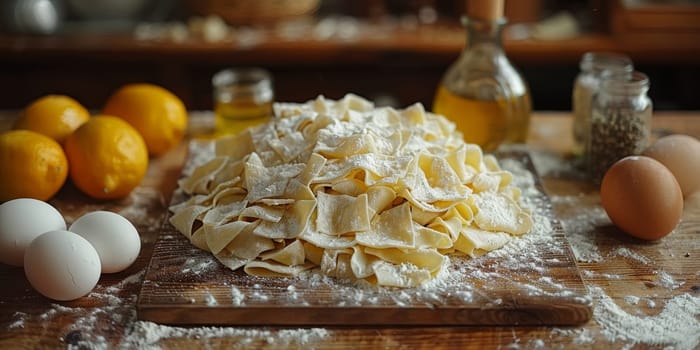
(355, 191)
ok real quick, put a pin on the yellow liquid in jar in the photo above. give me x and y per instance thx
(485, 123)
(519, 123)
(236, 116)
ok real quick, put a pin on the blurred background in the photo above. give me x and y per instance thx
(392, 51)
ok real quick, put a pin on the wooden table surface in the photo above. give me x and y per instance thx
(646, 294)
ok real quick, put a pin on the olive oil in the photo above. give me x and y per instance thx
(520, 118)
(235, 116)
(483, 122)
(243, 98)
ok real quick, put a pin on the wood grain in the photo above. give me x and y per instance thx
(176, 295)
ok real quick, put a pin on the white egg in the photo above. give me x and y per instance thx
(21, 221)
(61, 265)
(116, 240)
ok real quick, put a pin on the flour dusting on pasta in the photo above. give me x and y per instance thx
(363, 193)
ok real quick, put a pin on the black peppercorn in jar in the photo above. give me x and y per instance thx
(592, 66)
(620, 123)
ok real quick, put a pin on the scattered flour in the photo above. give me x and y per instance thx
(89, 332)
(632, 300)
(580, 336)
(237, 297)
(676, 326)
(210, 299)
(140, 201)
(551, 164)
(579, 223)
(588, 274)
(19, 320)
(628, 253)
(198, 266)
(147, 335)
(667, 280)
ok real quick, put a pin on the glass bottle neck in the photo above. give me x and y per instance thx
(484, 32)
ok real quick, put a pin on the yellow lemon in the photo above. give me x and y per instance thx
(108, 157)
(158, 115)
(55, 116)
(32, 165)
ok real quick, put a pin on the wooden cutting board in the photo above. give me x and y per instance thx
(533, 281)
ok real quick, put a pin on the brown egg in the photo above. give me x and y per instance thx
(642, 197)
(681, 155)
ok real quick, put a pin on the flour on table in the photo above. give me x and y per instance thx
(579, 221)
(628, 253)
(667, 280)
(198, 266)
(19, 320)
(88, 328)
(146, 335)
(588, 274)
(140, 201)
(551, 164)
(580, 336)
(237, 297)
(676, 325)
(632, 300)
(210, 300)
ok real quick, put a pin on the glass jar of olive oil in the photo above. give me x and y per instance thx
(482, 93)
(243, 98)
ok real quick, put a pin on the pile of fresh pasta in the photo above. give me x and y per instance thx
(353, 191)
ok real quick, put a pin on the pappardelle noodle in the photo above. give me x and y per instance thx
(359, 192)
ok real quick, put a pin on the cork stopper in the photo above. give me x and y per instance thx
(485, 9)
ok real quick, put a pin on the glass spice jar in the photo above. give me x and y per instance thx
(592, 65)
(620, 123)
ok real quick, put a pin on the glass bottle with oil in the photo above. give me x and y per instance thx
(482, 93)
(243, 98)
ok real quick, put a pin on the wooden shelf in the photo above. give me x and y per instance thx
(377, 60)
(438, 44)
